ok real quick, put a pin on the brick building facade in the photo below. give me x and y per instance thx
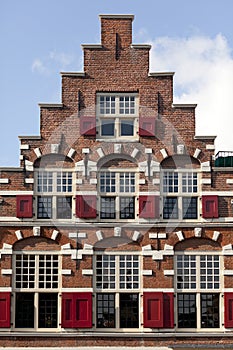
(117, 227)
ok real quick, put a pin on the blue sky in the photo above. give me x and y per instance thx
(41, 38)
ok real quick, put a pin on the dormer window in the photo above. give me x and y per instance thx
(117, 115)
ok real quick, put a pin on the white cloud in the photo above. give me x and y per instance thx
(53, 62)
(38, 66)
(203, 69)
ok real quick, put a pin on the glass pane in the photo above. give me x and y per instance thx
(107, 127)
(187, 313)
(64, 207)
(47, 310)
(24, 313)
(129, 314)
(127, 127)
(105, 311)
(209, 310)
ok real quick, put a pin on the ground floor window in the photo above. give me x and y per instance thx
(207, 303)
(36, 310)
(108, 312)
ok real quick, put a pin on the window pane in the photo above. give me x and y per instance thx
(126, 127)
(127, 105)
(187, 311)
(107, 127)
(209, 272)
(129, 311)
(189, 207)
(48, 271)
(129, 272)
(186, 272)
(105, 310)
(24, 313)
(209, 310)
(107, 182)
(105, 271)
(44, 207)
(189, 182)
(107, 104)
(64, 181)
(25, 271)
(127, 205)
(170, 182)
(64, 207)
(47, 310)
(127, 182)
(45, 181)
(170, 208)
(107, 210)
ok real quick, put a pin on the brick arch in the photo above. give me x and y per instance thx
(54, 160)
(193, 243)
(117, 244)
(36, 243)
(180, 161)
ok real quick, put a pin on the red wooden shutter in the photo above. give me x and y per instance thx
(24, 208)
(153, 309)
(168, 310)
(147, 126)
(149, 207)
(5, 310)
(210, 206)
(228, 300)
(87, 126)
(86, 206)
(77, 310)
(83, 310)
(67, 310)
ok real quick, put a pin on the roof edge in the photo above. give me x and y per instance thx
(116, 16)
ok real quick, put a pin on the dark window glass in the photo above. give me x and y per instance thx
(209, 310)
(129, 310)
(64, 205)
(170, 208)
(47, 310)
(24, 313)
(44, 207)
(127, 208)
(187, 311)
(105, 310)
(127, 127)
(107, 128)
(107, 208)
(189, 205)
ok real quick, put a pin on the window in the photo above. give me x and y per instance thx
(198, 288)
(180, 195)
(117, 115)
(54, 194)
(117, 291)
(117, 190)
(36, 283)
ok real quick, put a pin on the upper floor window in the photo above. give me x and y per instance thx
(54, 194)
(198, 286)
(117, 195)
(117, 115)
(180, 195)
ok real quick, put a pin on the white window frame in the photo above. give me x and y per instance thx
(117, 116)
(118, 194)
(54, 193)
(117, 290)
(37, 290)
(198, 291)
(176, 191)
